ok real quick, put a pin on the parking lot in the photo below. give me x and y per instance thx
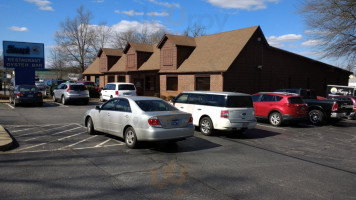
(55, 156)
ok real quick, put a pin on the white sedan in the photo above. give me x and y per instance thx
(137, 118)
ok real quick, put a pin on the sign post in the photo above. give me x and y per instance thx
(24, 57)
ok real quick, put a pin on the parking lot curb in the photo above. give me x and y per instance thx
(6, 142)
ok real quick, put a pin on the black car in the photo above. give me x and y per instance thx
(26, 94)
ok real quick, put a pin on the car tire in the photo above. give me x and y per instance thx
(316, 117)
(206, 126)
(130, 138)
(275, 119)
(90, 126)
(64, 102)
(40, 104)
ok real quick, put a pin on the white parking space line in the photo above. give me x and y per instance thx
(66, 130)
(60, 139)
(106, 141)
(51, 134)
(22, 130)
(78, 142)
(267, 126)
(10, 106)
(33, 146)
(60, 104)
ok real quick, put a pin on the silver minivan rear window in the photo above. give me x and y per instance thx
(126, 87)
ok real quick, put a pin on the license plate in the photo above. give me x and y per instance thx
(175, 123)
(127, 93)
(30, 95)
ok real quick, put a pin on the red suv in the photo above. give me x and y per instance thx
(278, 107)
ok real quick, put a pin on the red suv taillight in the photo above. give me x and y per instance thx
(224, 114)
(154, 122)
(335, 107)
(68, 88)
(19, 94)
(117, 92)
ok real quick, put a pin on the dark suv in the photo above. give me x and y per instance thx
(279, 107)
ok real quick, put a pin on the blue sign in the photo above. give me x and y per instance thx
(23, 55)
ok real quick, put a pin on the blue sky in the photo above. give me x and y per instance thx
(38, 20)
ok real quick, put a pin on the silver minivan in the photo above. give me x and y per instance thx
(218, 110)
(112, 90)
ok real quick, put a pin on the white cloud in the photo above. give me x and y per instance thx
(162, 14)
(166, 4)
(42, 4)
(315, 32)
(124, 26)
(309, 43)
(18, 29)
(242, 4)
(129, 13)
(278, 40)
(99, 1)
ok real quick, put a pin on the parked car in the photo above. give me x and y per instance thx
(40, 85)
(112, 90)
(51, 85)
(279, 107)
(352, 98)
(218, 110)
(138, 118)
(321, 111)
(71, 92)
(25, 94)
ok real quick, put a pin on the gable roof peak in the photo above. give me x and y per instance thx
(139, 47)
(110, 52)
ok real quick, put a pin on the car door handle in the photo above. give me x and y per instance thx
(199, 109)
(181, 107)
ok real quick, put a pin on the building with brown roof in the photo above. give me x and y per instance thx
(239, 60)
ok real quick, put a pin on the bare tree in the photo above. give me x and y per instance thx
(195, 30)
(101, 35)
(333, 26)
(75, 36)
(144, 36)
(59, 61)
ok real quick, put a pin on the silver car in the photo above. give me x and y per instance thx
(71, 92)
(137, 118)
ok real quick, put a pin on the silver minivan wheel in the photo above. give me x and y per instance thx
(206, 126)
(130, 138)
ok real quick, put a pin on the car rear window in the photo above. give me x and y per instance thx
(239, 102)
(78, 87)
(295, 100)
(126, 87)
(154, 105)
(28, 88)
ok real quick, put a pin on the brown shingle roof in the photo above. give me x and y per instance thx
(178, 40)
(93, 68)
(120, 65)
(216, 53)
(153, 63)
(138, 47)
(110, 52)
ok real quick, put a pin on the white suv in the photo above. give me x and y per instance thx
(112, 90)
(218, 110)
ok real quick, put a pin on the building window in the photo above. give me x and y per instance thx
(130, 60)
(121, 79)
(172, 83)
(168, 57)
(111, 79)
(88, 78)
(150, 83)
(202, 83)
